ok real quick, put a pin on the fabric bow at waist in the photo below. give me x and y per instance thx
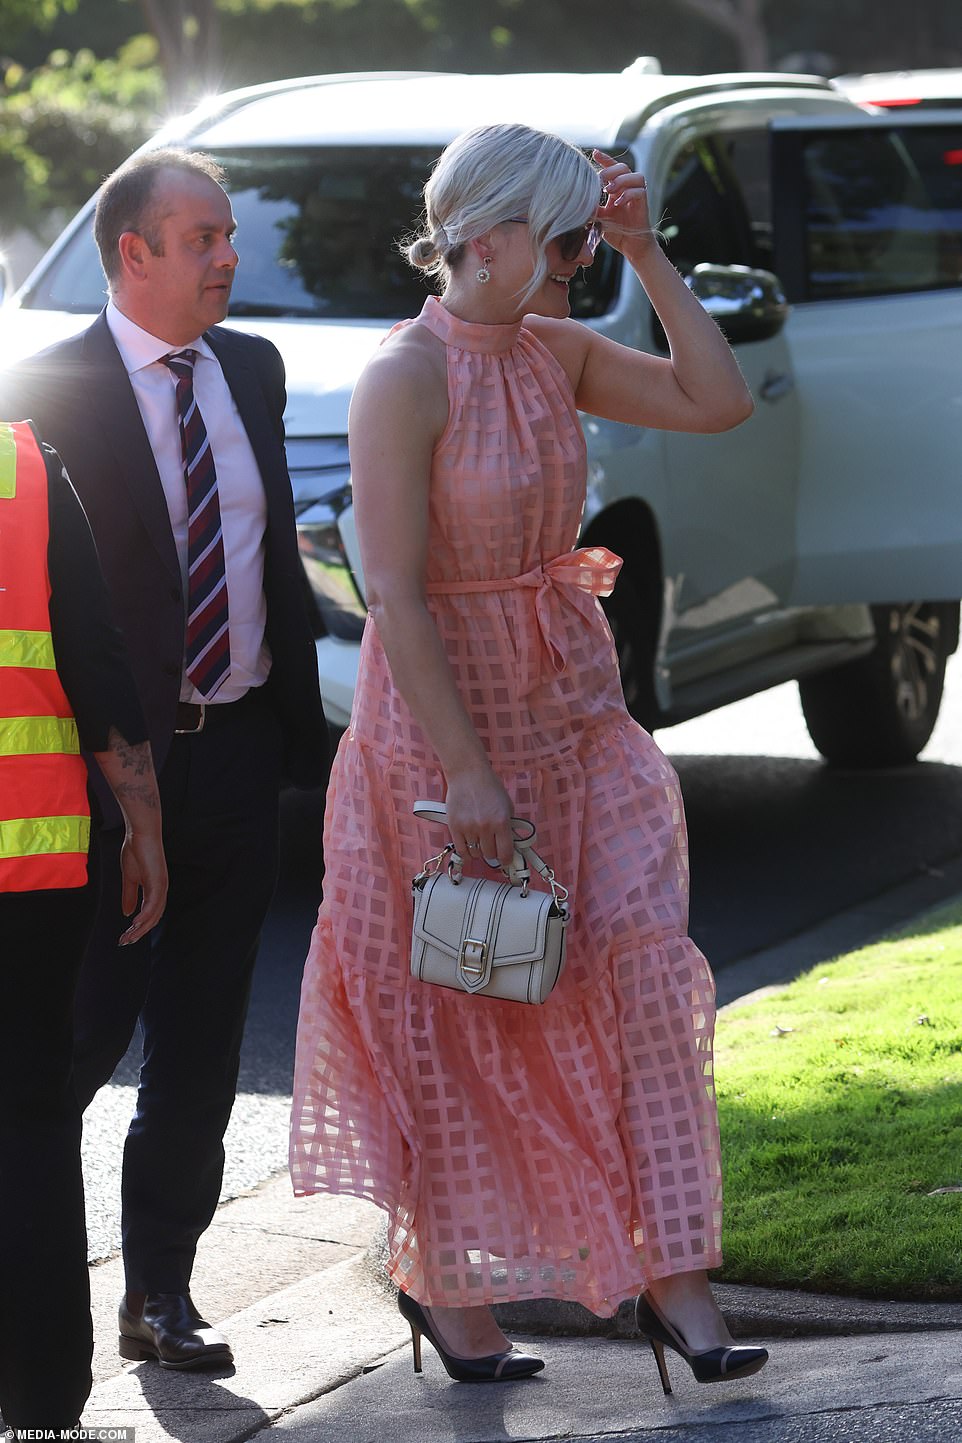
(583, 574)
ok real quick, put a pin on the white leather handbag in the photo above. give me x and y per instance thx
(476, 935)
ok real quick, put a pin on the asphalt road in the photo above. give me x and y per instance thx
(778, 843)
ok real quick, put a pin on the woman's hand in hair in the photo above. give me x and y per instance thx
(623, 213)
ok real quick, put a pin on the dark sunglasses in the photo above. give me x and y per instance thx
(570, 242)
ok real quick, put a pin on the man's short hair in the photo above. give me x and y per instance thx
(126, 200)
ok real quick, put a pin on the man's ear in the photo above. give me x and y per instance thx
(133, 251)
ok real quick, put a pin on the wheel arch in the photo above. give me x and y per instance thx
(636, 606)
(628, 527)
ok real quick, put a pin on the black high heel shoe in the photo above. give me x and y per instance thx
(713, 1365)
(495, 1368)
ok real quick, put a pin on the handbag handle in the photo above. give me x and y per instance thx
(524, 851)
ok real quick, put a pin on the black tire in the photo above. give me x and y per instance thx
(879, 711)
(633, 619)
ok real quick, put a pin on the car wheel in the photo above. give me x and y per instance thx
(634, 625)
(879, 711)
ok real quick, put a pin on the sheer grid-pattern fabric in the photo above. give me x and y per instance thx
(569, 1150)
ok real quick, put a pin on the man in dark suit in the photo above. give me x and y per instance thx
(171, 429)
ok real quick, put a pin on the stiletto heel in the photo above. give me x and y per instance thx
(713, 1365)
(416, 1348)
(659, 1351)
(495, 1368)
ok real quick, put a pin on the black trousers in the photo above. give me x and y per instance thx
(46, 1339)
(188, 983)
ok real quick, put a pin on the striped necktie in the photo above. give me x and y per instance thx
(207, 649)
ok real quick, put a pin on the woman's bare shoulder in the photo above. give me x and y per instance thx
(407, 375)
(406, 378)
(567, 341)
(414, 349)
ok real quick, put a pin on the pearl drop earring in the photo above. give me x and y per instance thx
(484, 275)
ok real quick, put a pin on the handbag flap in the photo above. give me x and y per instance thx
(446, 915)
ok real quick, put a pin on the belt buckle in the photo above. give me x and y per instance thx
(192, 731)
(472, 959)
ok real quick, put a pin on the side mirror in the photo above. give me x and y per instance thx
(749, 305)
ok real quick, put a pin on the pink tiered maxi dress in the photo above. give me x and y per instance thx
(568, 1150)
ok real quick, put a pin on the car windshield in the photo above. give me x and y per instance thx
(317, 232)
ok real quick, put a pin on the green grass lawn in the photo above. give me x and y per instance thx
(840, 1098)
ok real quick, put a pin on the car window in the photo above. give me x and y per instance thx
(317, 232)
(704, 215)
(882, 211)
(747, 153)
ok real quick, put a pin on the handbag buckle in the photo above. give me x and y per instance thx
(472, 959)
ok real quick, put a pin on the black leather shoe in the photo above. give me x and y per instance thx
(172, 1331)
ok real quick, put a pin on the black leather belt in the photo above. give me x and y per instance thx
(192, 716)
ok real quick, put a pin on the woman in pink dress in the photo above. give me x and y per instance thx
(568, 1150)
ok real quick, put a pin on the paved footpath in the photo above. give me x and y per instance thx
(321, 1353)
(328, 1360)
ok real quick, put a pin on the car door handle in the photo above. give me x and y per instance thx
(776, 385)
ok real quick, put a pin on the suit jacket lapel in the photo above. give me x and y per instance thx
(111, 396)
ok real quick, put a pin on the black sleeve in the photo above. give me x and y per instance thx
(89, 650)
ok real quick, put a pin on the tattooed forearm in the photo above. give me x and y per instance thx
(135, 759)
(129, 771)
(131, 792)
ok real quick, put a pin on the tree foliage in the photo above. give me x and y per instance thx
(743, 21)
(68, 123)
(19, 15)
(189, 43)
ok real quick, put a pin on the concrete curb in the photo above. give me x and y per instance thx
(914, 900)
(751, 1313)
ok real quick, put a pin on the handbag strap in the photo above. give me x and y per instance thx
(523, 844)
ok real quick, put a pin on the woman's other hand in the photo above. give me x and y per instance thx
(479, 816)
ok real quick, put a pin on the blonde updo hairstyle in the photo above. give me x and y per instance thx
(494, 172)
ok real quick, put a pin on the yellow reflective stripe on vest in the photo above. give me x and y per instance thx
(33, 649)
(32, 736)
(8, 462)
(40, 836)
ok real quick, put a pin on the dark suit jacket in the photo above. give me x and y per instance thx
(79, 395)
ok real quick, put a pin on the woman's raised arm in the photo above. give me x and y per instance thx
(698, 387)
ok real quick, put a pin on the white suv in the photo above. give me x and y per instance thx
(820, 541)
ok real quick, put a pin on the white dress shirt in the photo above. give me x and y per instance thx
(243, 509)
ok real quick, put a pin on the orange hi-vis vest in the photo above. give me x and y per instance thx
(44, 813)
